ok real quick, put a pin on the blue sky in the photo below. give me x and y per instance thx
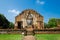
(47, 8)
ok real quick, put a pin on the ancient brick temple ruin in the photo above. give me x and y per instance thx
(29, 19)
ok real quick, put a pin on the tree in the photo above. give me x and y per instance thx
(45, 25)
(11, 25)
(52, 22)
(4, 23)
(58, 22)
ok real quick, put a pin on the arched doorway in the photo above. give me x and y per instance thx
(20, 25)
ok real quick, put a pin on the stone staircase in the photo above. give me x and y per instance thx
(29, 31)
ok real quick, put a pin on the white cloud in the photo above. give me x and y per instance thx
(14, 11)
(40, 2)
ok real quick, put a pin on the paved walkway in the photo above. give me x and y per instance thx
(29, 37)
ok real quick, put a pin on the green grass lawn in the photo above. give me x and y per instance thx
(38, 36)
(47, 36)
(10, 37)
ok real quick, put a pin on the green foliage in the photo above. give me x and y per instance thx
(52, 22)
(58, 21)
(4, 23)
(11, 25)
(45, 25)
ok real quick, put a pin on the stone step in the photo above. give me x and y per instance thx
(29, 33)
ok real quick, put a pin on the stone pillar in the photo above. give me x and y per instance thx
(42, 25)
(38, 25)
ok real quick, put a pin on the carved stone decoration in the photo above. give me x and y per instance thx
(29, 19)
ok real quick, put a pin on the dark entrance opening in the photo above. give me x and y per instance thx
(20, 25)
